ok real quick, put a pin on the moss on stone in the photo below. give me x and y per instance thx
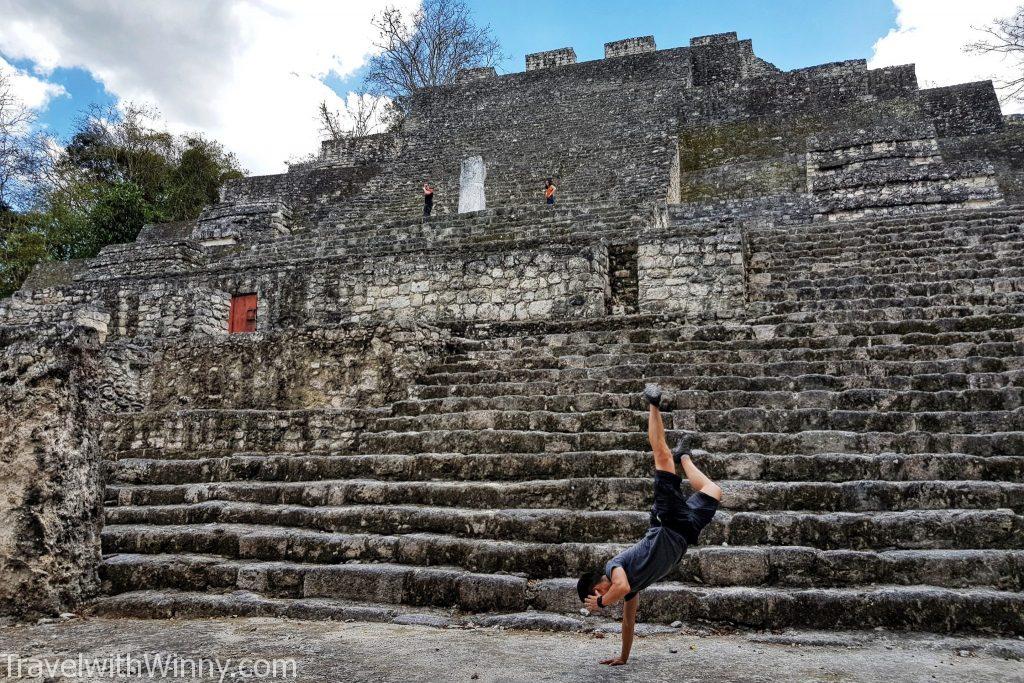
(750, 155)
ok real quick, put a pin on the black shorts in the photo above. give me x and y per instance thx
(685, 516)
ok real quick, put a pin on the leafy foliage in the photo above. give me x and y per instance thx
(119, 171)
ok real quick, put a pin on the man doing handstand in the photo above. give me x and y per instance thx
(675, 524)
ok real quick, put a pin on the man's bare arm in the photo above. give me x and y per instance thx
(619, 589)
(628, 625)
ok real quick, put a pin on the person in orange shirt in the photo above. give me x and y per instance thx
(549, 191)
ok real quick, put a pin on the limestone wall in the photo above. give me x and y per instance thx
(697, 271)
(151, 308)
(459, 284)
(243, 220)
(348, 366)
(357, 151)
(50, 507)
(307, 191)
(515, 285)
(215, 431)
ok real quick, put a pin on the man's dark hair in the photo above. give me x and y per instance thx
(585, 586)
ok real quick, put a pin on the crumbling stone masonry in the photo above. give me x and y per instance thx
(310, 402)
(51, 510)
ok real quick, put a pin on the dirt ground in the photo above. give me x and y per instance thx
(325, 651)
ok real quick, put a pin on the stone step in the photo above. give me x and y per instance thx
(495, 214)
(832, 467)
(644, 355)
(772, 443)
(823, 231)
(455, 230)
(735, 419)
(698, 400)
(890, 284)
(673, 336)
(810, 298)
(455, 226)
(912, 259)
(926, 608)
(713, 565)
(977, 238)
(808, 245)
(904, 607)
(605, 493)
(837, 375)
(964, 237)
(917, 529)
(170, 604)
(1012, 296)
(895, 347)
(380, 583)
(918, 272)
(876, 315)
(799, 383)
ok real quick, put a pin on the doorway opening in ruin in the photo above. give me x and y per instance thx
(622, 276)
(243, 313)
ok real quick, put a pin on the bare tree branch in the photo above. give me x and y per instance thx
(427, 49)
(1004, 37)
(330, 122)
(23, 153)
(359, 118)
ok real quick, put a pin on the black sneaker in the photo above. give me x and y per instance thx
(652, 394)
(688, 442)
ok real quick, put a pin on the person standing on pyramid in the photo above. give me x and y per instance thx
(676, 522)
(428, 199)
(549, 191)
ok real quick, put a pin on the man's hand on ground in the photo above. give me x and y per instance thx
(591, 604)
(614, 661)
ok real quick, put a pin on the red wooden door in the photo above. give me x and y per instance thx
(243, 313)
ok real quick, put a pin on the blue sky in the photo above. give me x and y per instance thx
(250, 73)
(788, 33)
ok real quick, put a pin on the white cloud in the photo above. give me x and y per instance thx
(249, 73)
(932, 34)
(35, 93)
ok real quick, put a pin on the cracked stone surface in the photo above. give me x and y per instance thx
(388, 652)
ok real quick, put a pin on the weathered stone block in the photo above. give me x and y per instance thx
(471, 185)
(629, 46)
(551, 58)
(50, 511)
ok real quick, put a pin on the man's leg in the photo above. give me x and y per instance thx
(656, 435)
(663, 456)
(698, 480)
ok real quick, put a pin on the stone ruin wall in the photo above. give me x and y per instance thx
(558, 281)
(51, 509)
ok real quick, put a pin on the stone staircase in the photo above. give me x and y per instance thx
(493, 229)
(865, 421)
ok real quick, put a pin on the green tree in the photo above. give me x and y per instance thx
(120, 170)
(21, 248)
(117, 216)
(195, 181)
